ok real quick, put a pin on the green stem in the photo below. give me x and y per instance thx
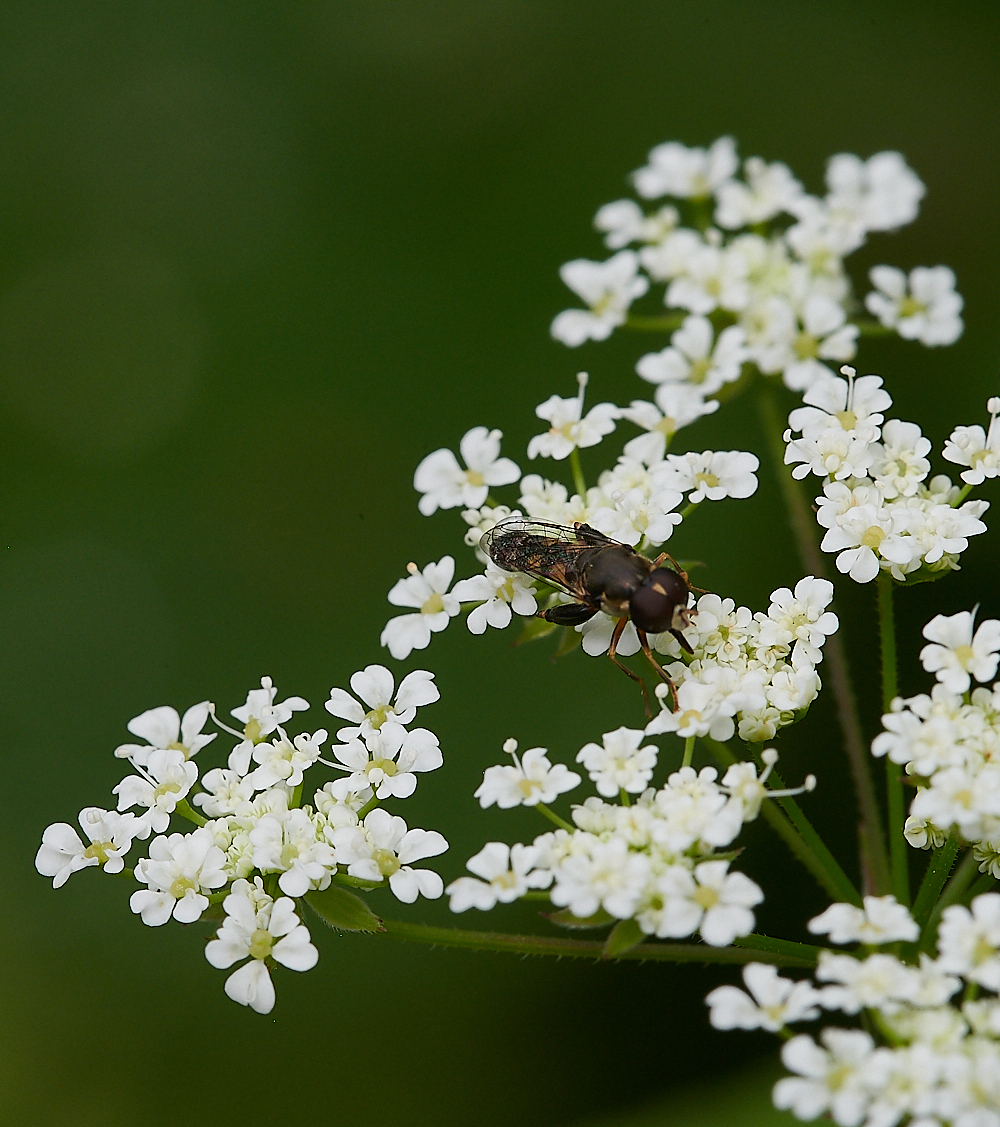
(899, 863)
(874, 329)
(986, 883)
(938, 869)
(592, 949)
(296, 798)
(966, 490)
(778, 946)
(874, 862)
(662, 324)
(689, 509)
(553, 817)
(535, 895)
(963, 876)
(688, 751)
(368, 807)
(185, 811)
(798, 834)
(579, 483)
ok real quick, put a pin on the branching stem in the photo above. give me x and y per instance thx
(875, 864)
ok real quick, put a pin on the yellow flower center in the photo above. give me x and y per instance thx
(708, 479)
(910, 307)
(699, 370)
(527, 787)
(100, 850)
(706, 897)
(378, 716)
(474, 477)
(260, 944)
(387, 861)
(252, 730)
(434, 605)
(806, 346)
(965, 654)
(386, 766)
(667, 426)
(166, 788)
(180, 886)
(848, 419)
(873, 537)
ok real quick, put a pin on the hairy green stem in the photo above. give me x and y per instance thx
(938, 868)
(594, 949)
(963, 876)
(899, 863)
(579, 482)
(874, 861)
(807, 847)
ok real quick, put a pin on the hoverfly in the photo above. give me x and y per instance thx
(600, 574)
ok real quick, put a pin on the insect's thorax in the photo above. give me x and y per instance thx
(612, 575)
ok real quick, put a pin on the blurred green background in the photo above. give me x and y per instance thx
(256, 260)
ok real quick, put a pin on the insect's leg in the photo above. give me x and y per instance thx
(644, 642)
(612, 652)
(677, 567)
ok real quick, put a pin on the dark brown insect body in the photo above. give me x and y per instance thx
(600, 574)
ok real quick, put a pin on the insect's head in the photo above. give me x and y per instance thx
(661, 602)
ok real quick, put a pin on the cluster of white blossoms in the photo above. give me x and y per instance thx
(748, 674)
(657, 861)
(879, 509)
(930, 1051)
(257, 849)
(640, 501)
(769, 272)
(948, 742)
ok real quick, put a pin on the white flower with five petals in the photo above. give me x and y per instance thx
(388, 760)
(445, 485)
(62, 853)
(773, 1002)
(500, 593)
(923, 307)
(608, 288)
(506, 873)
(383, 848)
(163, 728)
(529, 780)
(955, 655)
(374, 686)
(427, 592)
(570, 429)
(179, 871)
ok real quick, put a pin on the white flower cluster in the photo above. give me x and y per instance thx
(747, 673)
(879, 510)
(949, 741)
(772, 267)
(257, 850)
(936, 1059)
(635, 503)
(655, 861)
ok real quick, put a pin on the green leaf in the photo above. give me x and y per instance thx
(535, 628)
(625, 935)
(925, 574)
(343, 910)
(568, 642)
(565, 918)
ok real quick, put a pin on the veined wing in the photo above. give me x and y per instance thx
(556, 553)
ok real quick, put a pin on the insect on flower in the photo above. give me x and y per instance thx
(600, 574)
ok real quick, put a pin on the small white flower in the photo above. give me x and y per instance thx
(969, 941)
(283, 760)
(624, 222)
(62, 853)
(925, 307)
(286, 841)
(339, 802)
(166, 780)
(676, 170)
(179, 871)
(636, 515)
(976, 448)
(259, 928)
(860, 537)
(225, 792)
(374, 685)
(677, 405)
(824, 336)
(388, 759)
(770, 189)
(608, 288)
(602, 874)
(882, 920)
(801, 617)
(695, 357)
(710, 475)
(714, 277)
(382, 847)
(163, 728)
(427, 591)
(526, 782)
(711, 900)
(597, 636)
(501, 593)
(901, 460)
(773, 1002)
(833, 1078)
(878, 982)
(445, 485)
(261, 716)
(955, 655)
(570, 428)
(882, 192)
(618, 763)
(507, 873)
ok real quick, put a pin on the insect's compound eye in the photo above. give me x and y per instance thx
(653, 605)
